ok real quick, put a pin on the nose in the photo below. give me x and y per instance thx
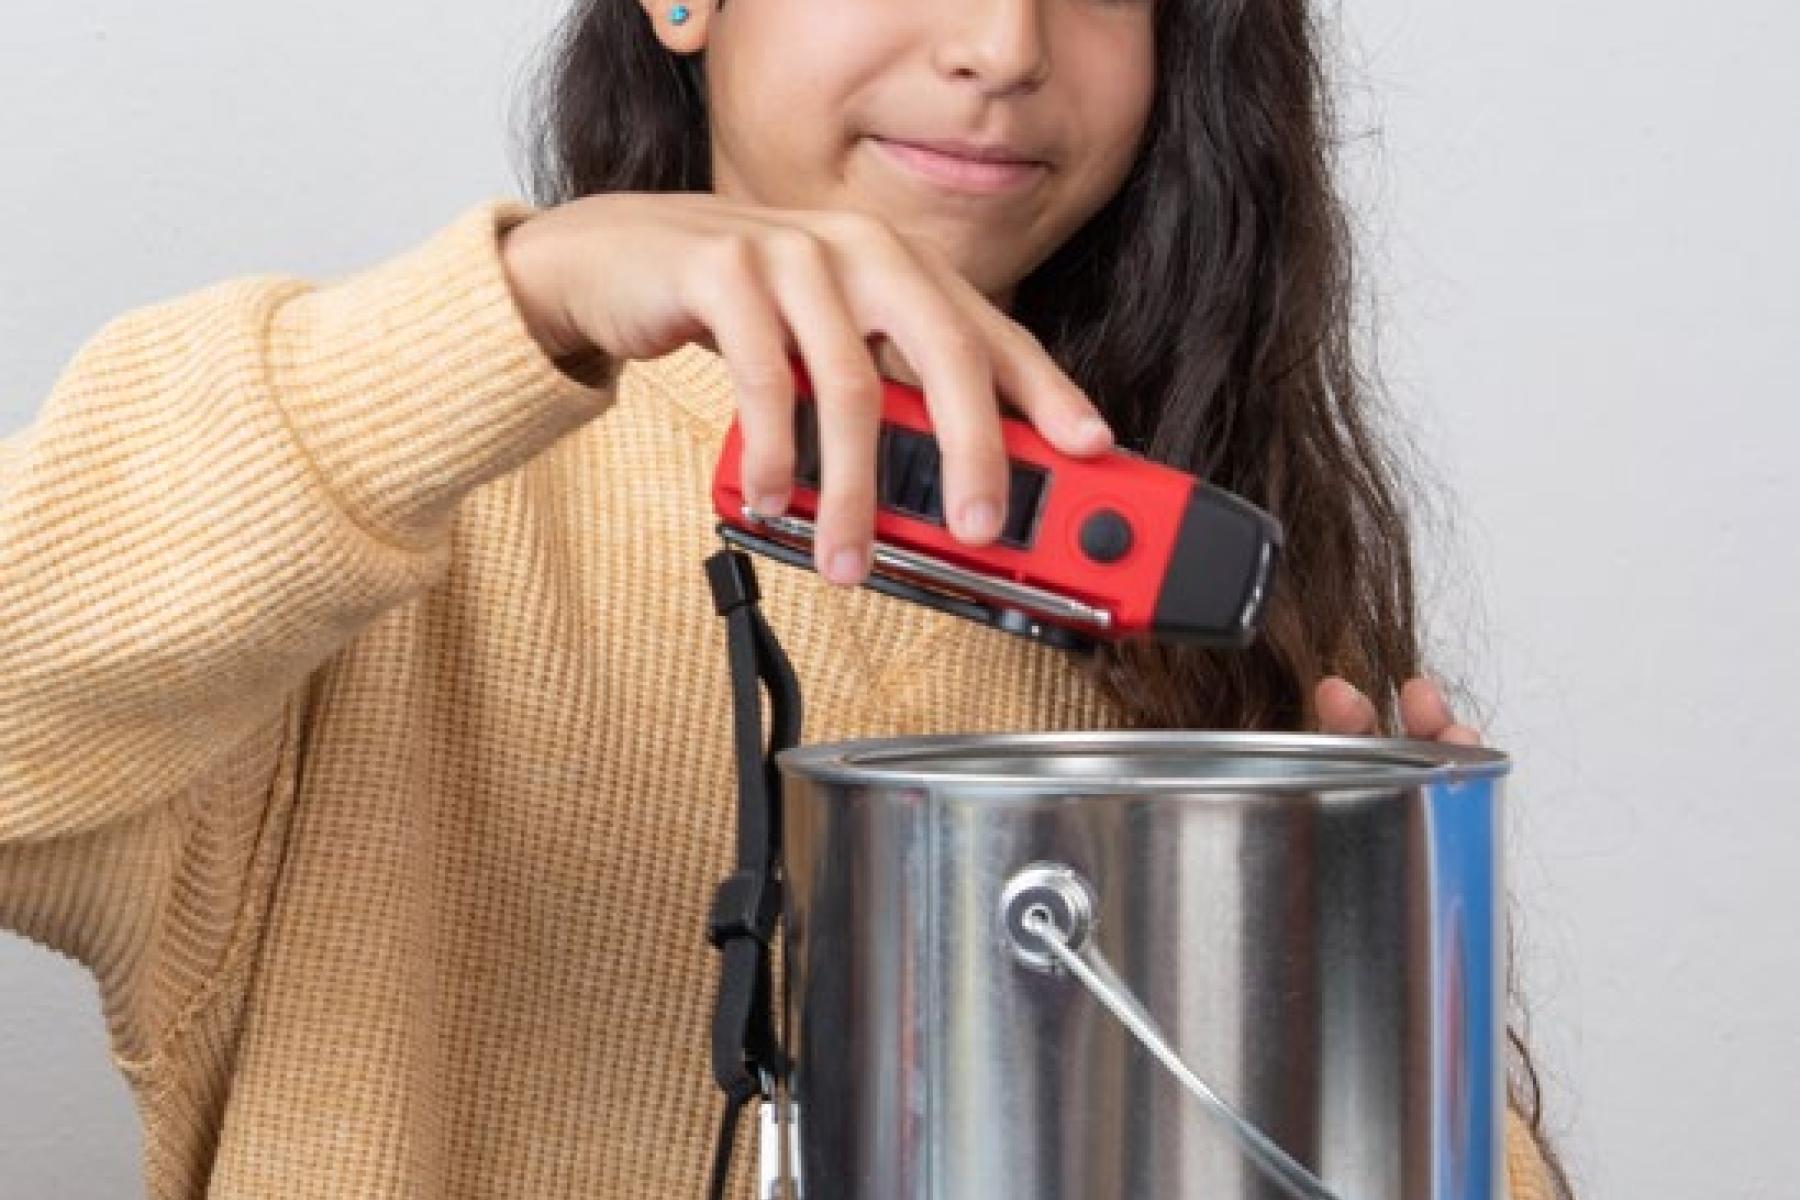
(1001, 44)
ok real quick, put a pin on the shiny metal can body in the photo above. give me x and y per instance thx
(1315, 923)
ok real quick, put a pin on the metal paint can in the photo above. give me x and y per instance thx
(1311, 924)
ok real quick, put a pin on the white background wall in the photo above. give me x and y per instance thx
(1580, 222)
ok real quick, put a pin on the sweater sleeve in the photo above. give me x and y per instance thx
(221, 490)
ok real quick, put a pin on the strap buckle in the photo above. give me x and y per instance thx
(744, 905)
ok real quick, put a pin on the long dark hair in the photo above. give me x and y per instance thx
(1207, 308)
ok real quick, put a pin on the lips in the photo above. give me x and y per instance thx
(973, 151)
(957, 169)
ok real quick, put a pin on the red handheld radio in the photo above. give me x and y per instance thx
(1105, 548)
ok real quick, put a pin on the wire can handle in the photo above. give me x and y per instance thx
(1035, 907)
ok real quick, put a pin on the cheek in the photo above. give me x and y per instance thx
(790, 63)
(1131, 94)
(1116, 110)
(783, 119)
(764, 138)
(1107, 59)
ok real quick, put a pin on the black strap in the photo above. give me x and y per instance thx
(745, 1053)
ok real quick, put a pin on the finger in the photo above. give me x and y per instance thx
(1423, 710)
(959, 393)
(1026, 377)
(847, 393)
(1461, 735)
(1053, 403)
(1343, 709)
(895, 296)
(729, 296)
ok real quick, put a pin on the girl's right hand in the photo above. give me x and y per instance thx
(637, 275)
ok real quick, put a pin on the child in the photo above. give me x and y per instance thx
(364, 722)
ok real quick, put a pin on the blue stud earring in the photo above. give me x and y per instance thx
(679, 14)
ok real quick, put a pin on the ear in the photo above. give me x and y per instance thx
(689, 37)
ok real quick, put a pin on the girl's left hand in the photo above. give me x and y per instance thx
(1344, 709)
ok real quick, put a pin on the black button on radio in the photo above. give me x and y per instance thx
(1106, 536)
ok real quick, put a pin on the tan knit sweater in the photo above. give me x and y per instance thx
(365, 729)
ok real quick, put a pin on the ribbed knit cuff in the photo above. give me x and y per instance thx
(411, 383)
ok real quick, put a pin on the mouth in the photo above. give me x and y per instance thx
(973, 171)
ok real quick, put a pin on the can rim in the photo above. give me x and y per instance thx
(1356, 762)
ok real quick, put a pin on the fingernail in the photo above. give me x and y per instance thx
(1093, 429)
(770, 504)
(846, 565)
(980, 518)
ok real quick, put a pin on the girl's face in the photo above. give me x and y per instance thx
(806, 97)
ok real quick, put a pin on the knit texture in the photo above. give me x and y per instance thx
(365, 730)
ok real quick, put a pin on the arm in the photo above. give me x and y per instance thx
(221, 491)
